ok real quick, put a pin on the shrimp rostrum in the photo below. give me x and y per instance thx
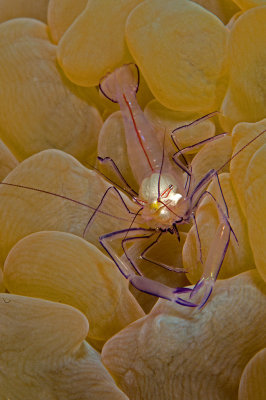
(168, 195)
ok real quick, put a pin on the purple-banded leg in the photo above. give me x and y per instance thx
(125, 185)
(197, 196)
(140, 282)
(203, 289)
(165, 266)
(199, 250)
(193, 123)
(197, 121)
(97, 209)
(181, 152)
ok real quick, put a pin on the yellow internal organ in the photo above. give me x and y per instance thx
(155, 206)
(62, 267)
(246, 93)
(186, 68)
(95, 44)
(39, 107)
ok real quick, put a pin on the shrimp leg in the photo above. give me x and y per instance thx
(215, 257)
(181, 152)
(144, 257)
(113, 188)
(218, 248)
(126, 186)
(140, 282)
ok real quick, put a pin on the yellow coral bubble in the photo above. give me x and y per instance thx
(2, 288)
(176, 354)
(7, 161)
(255, 196)
(245, 96)
(95, 44)
(23, 8)
(242, 134)
(224, 9)
(246, 4)
(39, 107)
(62, 267)
(252, 384)
(24, 211)
(44, 354)
(61, 14)
(180, 49)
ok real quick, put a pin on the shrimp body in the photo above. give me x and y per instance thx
(161, 192)
(144, 140)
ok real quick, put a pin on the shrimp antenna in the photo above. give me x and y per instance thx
(64, 198)
(239, 151)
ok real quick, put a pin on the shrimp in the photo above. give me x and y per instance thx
(167, 196)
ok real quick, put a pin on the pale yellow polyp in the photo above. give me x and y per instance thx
(180, 49)
(95, 43)
(61, 14)
(62, 267)
(7, 161)
(23, 211)
(245, 96)
(43, 353)
(238, 257)
(252, 384)
(23, 8)
(175, 353)
(39, 107)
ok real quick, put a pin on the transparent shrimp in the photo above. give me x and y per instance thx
(167, 198)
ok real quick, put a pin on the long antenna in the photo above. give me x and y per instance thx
(64, 198)
(239, 151)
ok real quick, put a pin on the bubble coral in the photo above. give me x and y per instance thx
(192, 63)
